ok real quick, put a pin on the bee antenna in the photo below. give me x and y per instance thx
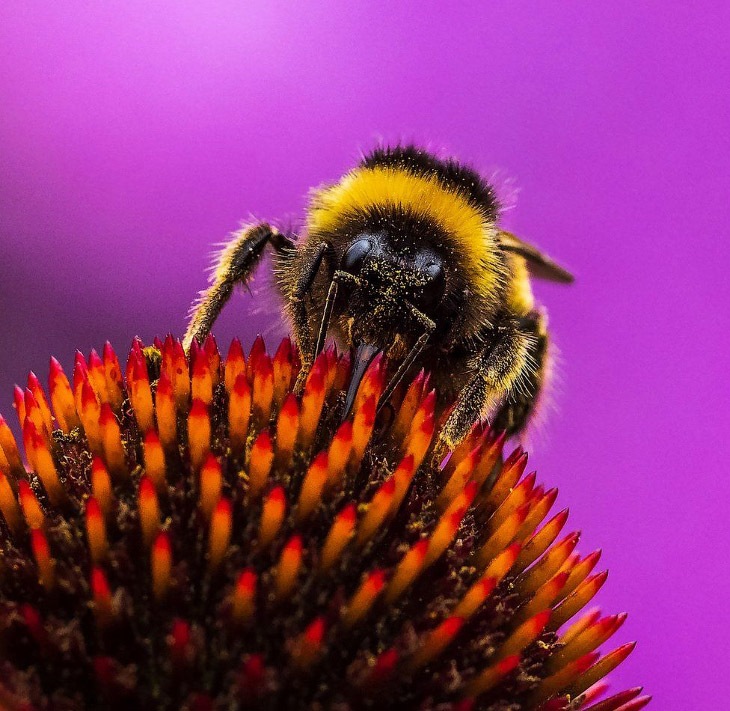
(326, 315)
(407, 362)
(338, 278)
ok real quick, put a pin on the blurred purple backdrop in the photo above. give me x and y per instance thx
(134, 135)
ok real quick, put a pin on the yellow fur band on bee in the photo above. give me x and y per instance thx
(421, 196)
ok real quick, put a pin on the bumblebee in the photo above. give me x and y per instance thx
(404, 256)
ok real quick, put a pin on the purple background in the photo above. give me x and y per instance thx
(135, 135)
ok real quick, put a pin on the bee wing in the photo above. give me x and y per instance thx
(539, 264)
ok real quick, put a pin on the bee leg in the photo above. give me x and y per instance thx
(498, 370)
(517, 410)
(234, 265)
(298, 309)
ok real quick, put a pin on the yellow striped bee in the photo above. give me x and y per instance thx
(404, 256)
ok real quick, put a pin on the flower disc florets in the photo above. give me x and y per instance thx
(195, 535)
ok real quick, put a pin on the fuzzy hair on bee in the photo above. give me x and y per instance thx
(404, 256)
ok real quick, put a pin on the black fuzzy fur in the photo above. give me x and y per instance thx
(448, 171)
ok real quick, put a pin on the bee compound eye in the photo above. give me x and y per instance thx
(355, 256)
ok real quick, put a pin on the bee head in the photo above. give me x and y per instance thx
(417, 232)
(394, 284)
(395, 296)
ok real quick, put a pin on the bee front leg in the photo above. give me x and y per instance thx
(298, 309)
(234, 265)
(497, 371)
